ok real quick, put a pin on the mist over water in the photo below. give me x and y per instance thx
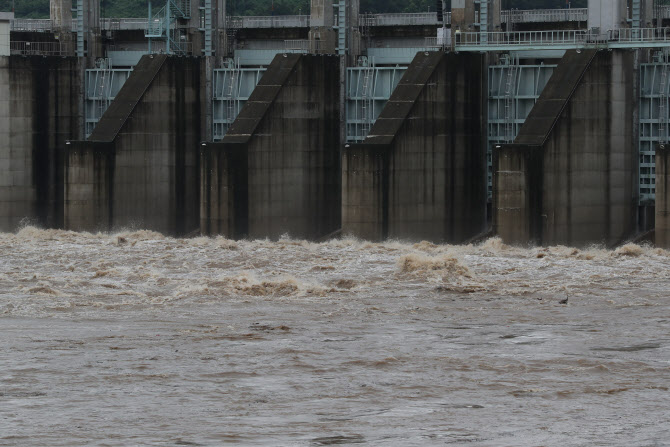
(139, 339)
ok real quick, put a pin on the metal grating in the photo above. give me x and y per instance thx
(231, 88)
(512, 92)
(653, 122)
(102, 85)
(368, 90)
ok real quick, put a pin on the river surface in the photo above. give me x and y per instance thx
(138, 339)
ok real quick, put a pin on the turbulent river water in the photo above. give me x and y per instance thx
(138, 339)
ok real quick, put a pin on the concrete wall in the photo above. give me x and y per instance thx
(607, 14)
(462, 15)
(4, 32)
(663, 196)
(577, 148)
(365, 191)
(60, 11)
(39, 111)
(322, 36)
(517, 198)
(224, 186)
(146, 174)
(420, 174)
(289, 131)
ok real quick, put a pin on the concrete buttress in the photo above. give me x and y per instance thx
(39, 111)
(420, 173)
(139, 168)
(569, 176)
(277, 170)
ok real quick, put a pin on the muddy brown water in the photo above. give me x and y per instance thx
(138, 339)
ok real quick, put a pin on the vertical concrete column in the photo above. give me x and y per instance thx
(607, 14)
(193, 34)
(516, 195)
(322, 36)
(354, 34)
(365, 192)
(5, 19)
(462, 16)
(494, 15)
(663, 196)
(89, 177)
(647, 15)
(219, 35)
(92, 27)
(60, 12)
(38, 113)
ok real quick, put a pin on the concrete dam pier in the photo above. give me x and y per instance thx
(39, 112)
(140, 166)
(277, 170)
(568, 178)
(542, 127)
(421, 172)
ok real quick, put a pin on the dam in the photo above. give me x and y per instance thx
(545, 127)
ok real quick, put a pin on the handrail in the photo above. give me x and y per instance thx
(544, 15)
(302, 46)
(575, 38)
(23, 48)
(36, 25)
(294, 21)
(130, 23)
(422, 18)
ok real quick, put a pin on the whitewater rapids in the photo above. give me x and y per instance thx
(139, 339)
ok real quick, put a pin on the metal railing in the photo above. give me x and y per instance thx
(22, 48)
(522, 38)
(124, 24)
(544, 15)
(35, 25)
(641, 35)
(571, 38)
(302, 46)
(423, 18)
(435, 43)
(157, 47)
(301, 21)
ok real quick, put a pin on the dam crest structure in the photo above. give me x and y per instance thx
(541, 126)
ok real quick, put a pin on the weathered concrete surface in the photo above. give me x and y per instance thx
(289, 131)
(365, 191)
(140, 166)
(569, 177)
(322, 36)
(5, 26)
(39, 111)
(60, 12)
(420, 173)
(224, 199)
(462, 15)
(663, 196)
